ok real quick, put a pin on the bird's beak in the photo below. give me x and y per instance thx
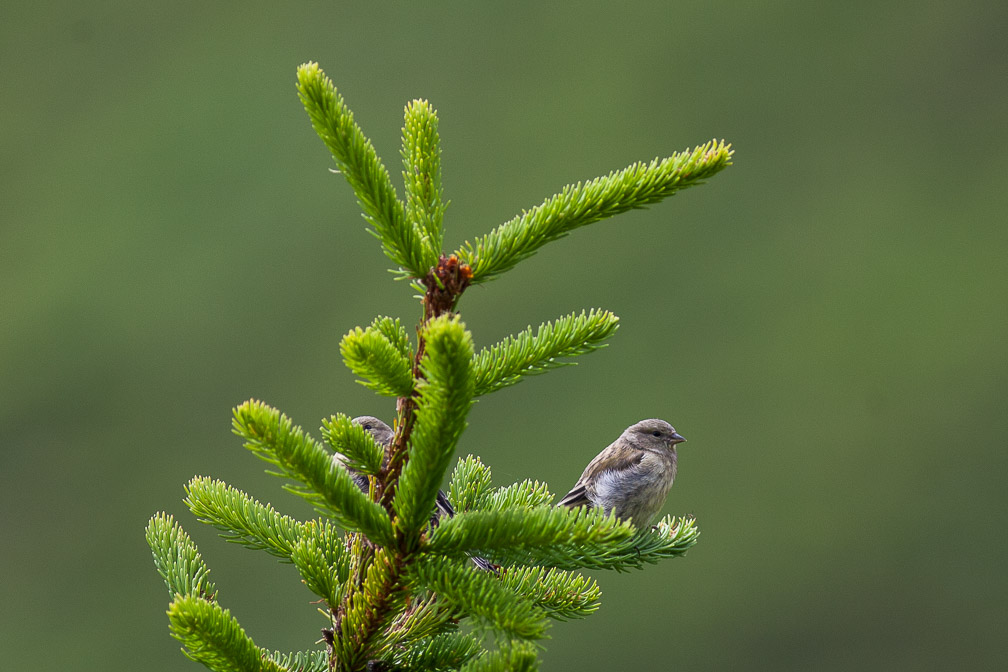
(678, 438)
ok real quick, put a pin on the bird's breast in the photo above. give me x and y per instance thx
(638, 492)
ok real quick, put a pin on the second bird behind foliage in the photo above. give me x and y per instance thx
(631, 477)
(383, 435)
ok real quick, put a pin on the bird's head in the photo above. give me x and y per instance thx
(381, 432)
(654, 434)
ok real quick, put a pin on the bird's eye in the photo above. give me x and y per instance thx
(368, 428)
(656, 433)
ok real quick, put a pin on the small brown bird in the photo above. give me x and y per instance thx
(632, 476)
(383, 435)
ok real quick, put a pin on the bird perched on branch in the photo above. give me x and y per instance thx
(383, 435)
(631, 477)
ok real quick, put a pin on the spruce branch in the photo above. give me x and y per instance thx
(426, 637)
(421, 157)
(356, 446)
(371, 609)
(479, 595)
(470, 484)
(513, 656)
(471, 490)
(301, 661)
(395, 332)
(370, 355)
(522, 532)
(358, 162)
(562, 595)
(321, 557)
(577, 205)
(424, 618)
(447, 651)
(670, 538)
(445, 396)
(242, 519)
(212, 636)
(177, 559)
(528, 353)
(527, 494)
(271, 436)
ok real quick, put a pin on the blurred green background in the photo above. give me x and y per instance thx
(825, 321)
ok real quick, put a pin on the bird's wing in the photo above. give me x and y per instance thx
(442, 508)
(617, 460)
(360, 480)
(576, 497)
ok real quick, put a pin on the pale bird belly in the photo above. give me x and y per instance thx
(637, 494)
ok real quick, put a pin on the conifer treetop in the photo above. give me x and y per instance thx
(389, 556)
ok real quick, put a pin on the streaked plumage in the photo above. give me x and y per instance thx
(631, 477)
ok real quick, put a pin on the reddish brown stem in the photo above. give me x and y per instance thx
(444, 285)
